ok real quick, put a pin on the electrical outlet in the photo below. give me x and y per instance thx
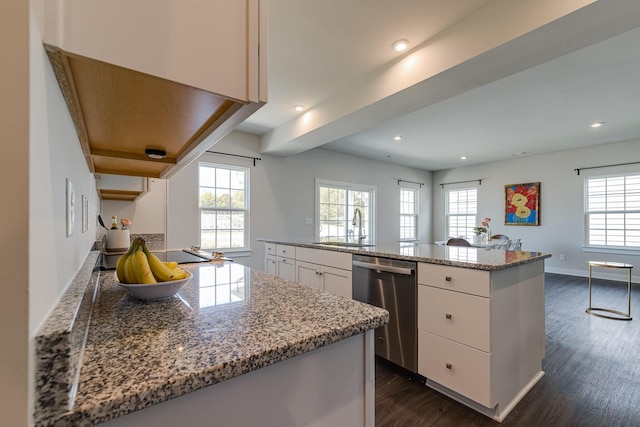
(308, 221)
(563, 257)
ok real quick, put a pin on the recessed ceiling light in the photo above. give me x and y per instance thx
(397, 137)
(154, 153)
(463, 158)
(596, 124)
(400, 45)
(298, 107)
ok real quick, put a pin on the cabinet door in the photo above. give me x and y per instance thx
(309, 274)
(337, 281)
(286, 269)
(270, 265)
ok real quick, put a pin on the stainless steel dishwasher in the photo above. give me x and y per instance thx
(391, 284)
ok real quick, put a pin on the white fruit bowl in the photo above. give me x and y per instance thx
(153, 292)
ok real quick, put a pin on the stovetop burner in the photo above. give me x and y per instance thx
(109, 261)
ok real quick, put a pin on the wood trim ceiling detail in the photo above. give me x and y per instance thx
(118, 113)
(120, 195)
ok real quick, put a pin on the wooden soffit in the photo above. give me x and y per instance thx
(118, 113)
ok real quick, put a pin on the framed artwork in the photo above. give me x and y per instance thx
(522, 204)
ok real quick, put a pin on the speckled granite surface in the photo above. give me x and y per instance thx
(59, 342)
(228, 320)
(476, 258)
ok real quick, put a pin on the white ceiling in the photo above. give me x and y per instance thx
(318, 49)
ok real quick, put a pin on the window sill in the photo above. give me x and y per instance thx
(611, 250)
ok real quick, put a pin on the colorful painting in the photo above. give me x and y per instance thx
(522, 204)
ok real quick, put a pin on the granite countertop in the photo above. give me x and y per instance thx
(228, 320)
(458, 256)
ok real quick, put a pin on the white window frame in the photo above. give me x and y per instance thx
(368, 218)
(413, 216)
(470, 214)
(246, 210)
(619, 212)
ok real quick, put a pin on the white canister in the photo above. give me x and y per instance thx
(118, 240)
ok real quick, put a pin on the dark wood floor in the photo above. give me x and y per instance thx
(592, 369)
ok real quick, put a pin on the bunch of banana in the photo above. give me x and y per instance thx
(138, 265)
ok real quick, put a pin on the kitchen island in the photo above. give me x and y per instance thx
(487, 259)
(235, 347)
(480, 315)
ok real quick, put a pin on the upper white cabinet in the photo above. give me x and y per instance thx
(170, 75)
(122, 188)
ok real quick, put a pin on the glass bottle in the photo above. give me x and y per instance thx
(114, 222)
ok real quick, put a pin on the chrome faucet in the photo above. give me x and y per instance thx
(358, 213)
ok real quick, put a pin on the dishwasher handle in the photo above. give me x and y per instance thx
(385, 268)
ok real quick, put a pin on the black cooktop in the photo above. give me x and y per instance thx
(109, 261)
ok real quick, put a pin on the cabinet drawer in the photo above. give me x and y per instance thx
(467, 280)
(323, 257)
(286, 251)
(462, 369)
(460, 317)
(270, 249)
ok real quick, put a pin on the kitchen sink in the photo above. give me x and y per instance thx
(345, 244)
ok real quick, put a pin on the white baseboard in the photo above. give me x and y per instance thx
(598, 273)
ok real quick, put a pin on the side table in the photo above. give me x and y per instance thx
(595, 310)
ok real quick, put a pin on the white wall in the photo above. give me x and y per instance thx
(283, 193)
(561, 202)
(39, 150)
(55, 155)
(148, 213)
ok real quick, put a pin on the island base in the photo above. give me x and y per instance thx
(330, 386)
(500, 412)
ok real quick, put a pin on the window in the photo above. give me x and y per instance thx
(462, 208)
(224, 207)
(408, 214)
(613, 211)
(336, 210)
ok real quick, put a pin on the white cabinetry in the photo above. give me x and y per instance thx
(270, 259)
(321, 269)
(280, 260)
(326, 270)
(481, 333)
(286, 261)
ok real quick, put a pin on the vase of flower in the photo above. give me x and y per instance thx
(487, 230)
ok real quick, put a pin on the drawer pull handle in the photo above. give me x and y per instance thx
(448, 316)
(449, 366)
(447, 278)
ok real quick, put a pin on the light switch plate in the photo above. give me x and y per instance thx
(71, 208)
(85, 213)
